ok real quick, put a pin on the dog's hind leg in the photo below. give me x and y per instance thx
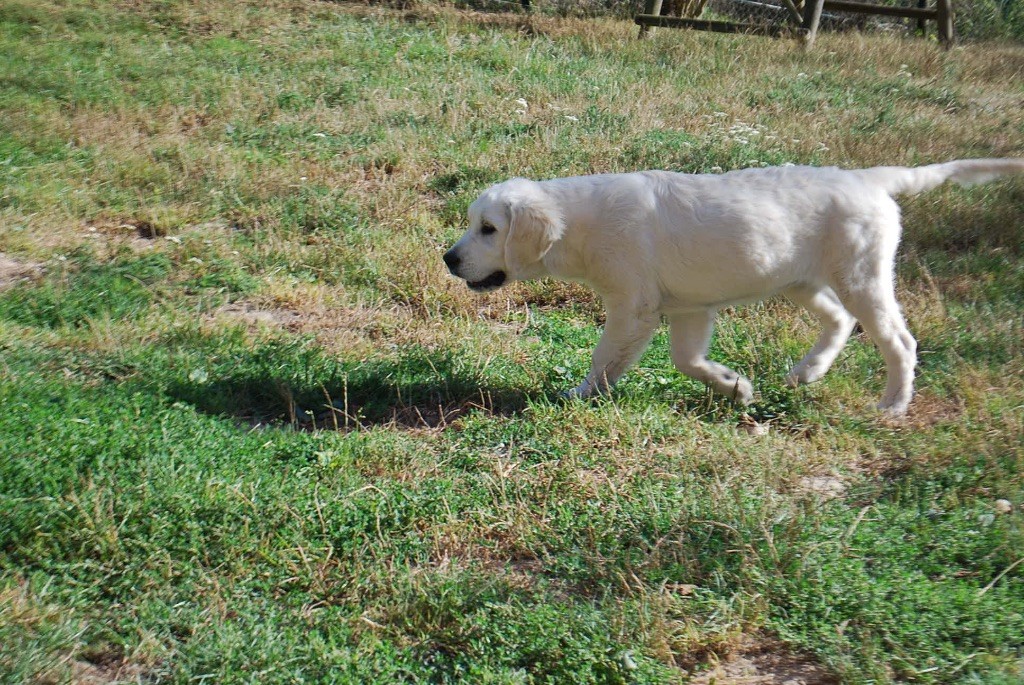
(691, 335)
(878, 312)
(836, 326)
(627, 333)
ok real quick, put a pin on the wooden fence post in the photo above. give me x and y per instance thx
(945, 12)
(812, 17)
(650, 7)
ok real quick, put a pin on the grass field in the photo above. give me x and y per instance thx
(251, 431)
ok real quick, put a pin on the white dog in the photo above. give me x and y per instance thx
(658, 243)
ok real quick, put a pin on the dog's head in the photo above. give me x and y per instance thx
(512, 226)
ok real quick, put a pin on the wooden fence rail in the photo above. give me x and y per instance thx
(804, 21)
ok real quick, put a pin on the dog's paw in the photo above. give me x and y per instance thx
(801, 375)
(581, 391)
(893, 410)
(804, 373)
(895, 404)
(587, 390)
(742, 392)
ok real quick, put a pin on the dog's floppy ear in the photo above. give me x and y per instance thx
(535, 224)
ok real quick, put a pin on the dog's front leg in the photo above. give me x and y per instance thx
(627, 333)
(691, 336)
(836, 327)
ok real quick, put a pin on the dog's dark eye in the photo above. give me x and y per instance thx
(487, 229)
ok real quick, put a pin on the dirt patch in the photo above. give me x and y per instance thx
(13, 271)
(353, 331)
(114, 234)
(252, 314)
(928, 410)
(105, 666)
(140, 234)
(765, 664)
(823, 487)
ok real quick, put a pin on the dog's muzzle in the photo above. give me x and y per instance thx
(492, 282)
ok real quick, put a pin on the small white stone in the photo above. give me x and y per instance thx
(1003, 506)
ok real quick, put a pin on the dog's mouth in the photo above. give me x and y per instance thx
(492, 282)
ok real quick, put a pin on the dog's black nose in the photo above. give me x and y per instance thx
(452, 260)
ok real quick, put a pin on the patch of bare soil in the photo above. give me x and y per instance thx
(252, 314)
(140, 235)
(137, 233)
(353, 330)
(823, 487)
(765, 664)
(928, 410)
(107, 667)
(13, 271)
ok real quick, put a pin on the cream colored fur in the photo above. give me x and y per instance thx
(657, 243)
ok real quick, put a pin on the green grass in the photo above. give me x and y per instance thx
(250, 431)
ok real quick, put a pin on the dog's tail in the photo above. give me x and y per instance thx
(911, 180)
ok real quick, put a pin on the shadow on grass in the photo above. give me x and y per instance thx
(278, 385)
